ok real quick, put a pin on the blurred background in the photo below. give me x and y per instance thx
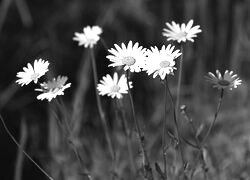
(44, 29)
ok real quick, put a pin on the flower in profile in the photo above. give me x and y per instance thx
(89, 37)
(131, 57)
(53, 88)
(113, 87)
(161, 62)
(183, 32)
(227, 81)
(32, 73)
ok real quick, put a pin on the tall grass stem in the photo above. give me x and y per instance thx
(20, 147)
(178, 96)
(177, 127)
(127, 136)
(164, 131)
(147, 167)
(215, 116)
(101, 112)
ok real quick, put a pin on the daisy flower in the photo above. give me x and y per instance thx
(183, 32)
(32, 73)
(131, 57)
(89, 37)
(53, 88)
(113, 87)
(227, 81)
(161, 62)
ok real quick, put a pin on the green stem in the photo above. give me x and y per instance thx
(177, 107)
(177, 127)
(104, 44)
(68, 132)
(215, 116)
(101, 112)
(164, 130)
(20, 147)
(127, 136)
(148, 170)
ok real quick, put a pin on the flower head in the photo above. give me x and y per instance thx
(32, 73)
(113, 87)
(183, 32)
(53, 88)
(89, 37)
(161, 62)
(131, 57)
(227, 81)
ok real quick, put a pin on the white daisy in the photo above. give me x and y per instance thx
(161, 62)
(32, 73)
(113, 87)
(181, 32)
(227, 81)
(89, 37)
(132, 57)
(53, 88)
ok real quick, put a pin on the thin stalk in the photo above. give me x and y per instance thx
(101, 112)
(177, 127)
(191, 123)
(127, 136)
(20, 147)
(164, 131)
(20, 155)
(177, 107)
(148, 170)
(68, 133)
(215, 115)
(198, 143)
(104, 44)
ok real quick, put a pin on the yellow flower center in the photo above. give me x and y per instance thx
(223, 82)
(115, 88)
(181, 35)
(128, 60)
(34, 76)
(164, 64)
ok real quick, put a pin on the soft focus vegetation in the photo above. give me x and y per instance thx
(44, 29)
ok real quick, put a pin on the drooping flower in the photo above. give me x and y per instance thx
(161, 62)
(53, 88)
(32, 73)
(89, 37)
(227, 81)
(183, 32)
(131, 57)
(113, 87)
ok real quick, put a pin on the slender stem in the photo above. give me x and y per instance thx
(164, 130)
(198, 143)
(148, 170)
(104, 44)
(190, 122)
(20, 147)
(20, 155)
(177, 107)
(125, 131)
(68, 133)
(215, 116)
(101, 112)
(177, 127)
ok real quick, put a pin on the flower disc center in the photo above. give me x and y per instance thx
(223, 82)
(115, 88)
(181, 35)
(128, 60)
(164, 64)
(35, 76)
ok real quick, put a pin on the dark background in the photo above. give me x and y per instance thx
(44, 29)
